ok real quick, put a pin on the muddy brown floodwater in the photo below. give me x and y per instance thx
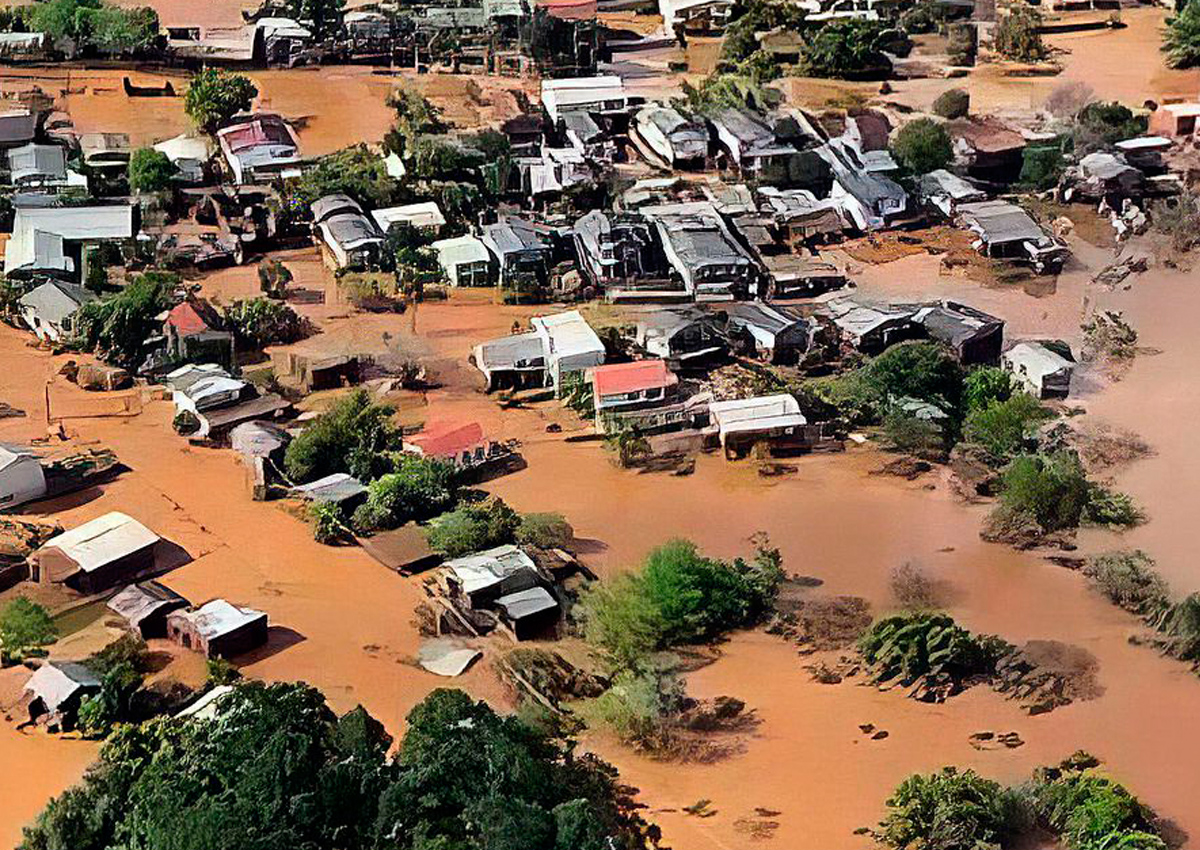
(342, 622)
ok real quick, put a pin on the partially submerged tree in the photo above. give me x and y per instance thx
(846, 49)
(214, 96)
(356, 171)
(150, 170)
(260, 322)
(24, 626)
(923, 146)
(416, 488)
(1018, 34)
(1181, 36)
(116, 328)
(474, 528)
(353, 435)
(415, 116)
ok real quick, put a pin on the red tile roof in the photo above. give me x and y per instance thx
(448, 440)
(192, 317)
(620, 378)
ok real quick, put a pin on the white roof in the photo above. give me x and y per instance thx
(568, 334)
(425, 214)
(1036, 359)
(205, 708)
(526, 603)
(56, 681)
(219, 617)
(282, 27)
(1144, 143)
(489, 568)
(461, 249)
(73, 223)
(103, 540)
(212, 388)
(755, 414)
(186, 147)
(1181, 110)
(560, 96)
(10, 455)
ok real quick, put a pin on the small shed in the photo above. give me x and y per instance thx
(56, 689)
(484, 577)
(340, 488)
(465, 260)
(975, 336)
(22, 478)
(424, 216)
(1043, 370)
(107, 551)
(775, 419)
(775, 334)
(219, 629)
(145, 607)
(528, 613)
(49, 310)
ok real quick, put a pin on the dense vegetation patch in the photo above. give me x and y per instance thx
(276, 768)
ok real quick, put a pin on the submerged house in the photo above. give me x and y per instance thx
(522, 252)
(42, 167)
(682, 337)
(1006, 231)
(604, 95)
(106, 151)
(975, 336)
(752, 146)
(680, 143)
(517, 361)
(55, 691)
(219, 629)
(771, 333)
(109, 550)
(144, 607)
(870, 200)
(57, 239)
(701, 250)
(482, 578)
(871, 328)
(775, 420)
(344, 229)
(570, 345)
(49, 310)
(1044, 369)
(426, 217)
(465, 260)
(801, 216)
(944, 192)
(618, 250)
(259, 148)
(643, 394)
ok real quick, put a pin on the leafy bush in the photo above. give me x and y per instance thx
(678, 597)
(1101, 125)
(1181, 38)
(545, 531)
(1129, 580)
(952, 103)
(916, 644)
(985, 385)
(327, 521)
(950, 810)
(94, 24)
(1178, 218)
(1018, 35)
(1107, 335)
(1042, 165)
(722, 90)
(353, 436)
(1089, 811)
(846, 49)
(473, 528)
(922, 370)
(355, 171)
(920, 437)
(1004, 428)
(418, 488)
(99, 712)
(260, 322)
(923, 146)
(637, 705)
(415, 117)
(279, 769)
(1117, 510)
(150, 170)
(221, 672)
(24, 625)
(214, 96)
(116, 328)
(1051, 489)
(1180, 626)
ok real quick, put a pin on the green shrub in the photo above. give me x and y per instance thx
(1004, 428)
(417, 489)
(1107, 335)
(1117, 510)
(1051, 489)
(950, 810)
(1017, 35)
(1100, 125)
(925, 371)
(260, 322)
(545, 531)
(920, 437)
(1129, 580)
(214, 96)
(637, 706)
(473, 528)
(922, 146)
(356, 171)
(116, 328)
(917, 644)
(845, 49)
(1180, 626)
(678, 597)
(1092, 812)
(985, 385)
(952, 103)
(1042, 165)
(1181, 38)
(328, 524)
(353, 436)
(150, 170)
(24, 626)
(221, 672)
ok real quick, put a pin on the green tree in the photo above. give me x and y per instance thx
(952, 103)
(922, 370)
(1101, 125)
(353, 435)
(985, 385)
(24, 625)
(846, 49)
(356, 171)
(753, 17)
(474, 528)
(1018, 34)
(259, 322)
(1051, 489)
(116, 328)
(214, 96)
(150, 170)
(111, 704)
(323, 17)
(545, 531)
(327, 521)
(415, 117)
(725, 90)
(94, 24)
(1181, 37)
(416, 489)
(1004, 427)
(923, 146)
(950, 810)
